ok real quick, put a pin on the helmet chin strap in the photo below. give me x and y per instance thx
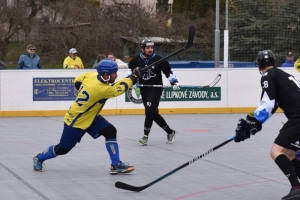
(104, 79)
(259, 69)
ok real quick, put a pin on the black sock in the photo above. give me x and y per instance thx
(287, 168)
(167, 129)
(296, 164)
(146, 131)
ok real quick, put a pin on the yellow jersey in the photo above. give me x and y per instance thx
(69, 63)
(91, 98)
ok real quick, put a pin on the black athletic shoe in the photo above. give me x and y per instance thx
(293, 195)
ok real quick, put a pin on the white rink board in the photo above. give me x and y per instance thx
(240, 87)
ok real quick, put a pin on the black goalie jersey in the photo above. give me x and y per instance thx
(279, 89)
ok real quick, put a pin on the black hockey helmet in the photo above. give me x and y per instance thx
(146, 43)
(265, 58)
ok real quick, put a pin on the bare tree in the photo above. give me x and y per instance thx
(56, 26)
(12, 20)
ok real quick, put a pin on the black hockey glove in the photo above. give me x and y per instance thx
(247, 127)
(136, 75)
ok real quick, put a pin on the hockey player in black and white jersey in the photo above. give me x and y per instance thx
(151, 96)
(279, 89)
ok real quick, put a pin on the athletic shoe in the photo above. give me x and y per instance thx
(38, 165)
(144, 140)
(293, 195)
(171, 137)
(121, 168)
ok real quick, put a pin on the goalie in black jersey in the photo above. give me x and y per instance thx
(279, 89)
(94, 89)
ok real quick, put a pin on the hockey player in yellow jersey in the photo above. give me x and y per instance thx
(94, 89)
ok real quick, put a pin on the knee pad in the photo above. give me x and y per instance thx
(109, 132)
(60, 151)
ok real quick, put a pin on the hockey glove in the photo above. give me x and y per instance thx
(175, 86)
(174, 81)
(135, 75)
(247, 127)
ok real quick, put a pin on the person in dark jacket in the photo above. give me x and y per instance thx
(29, 60)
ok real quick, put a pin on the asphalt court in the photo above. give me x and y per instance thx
(236, 171)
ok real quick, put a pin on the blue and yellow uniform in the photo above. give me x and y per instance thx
(83, 116)
(86, 106)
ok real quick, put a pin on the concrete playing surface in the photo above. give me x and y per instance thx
(236, 171)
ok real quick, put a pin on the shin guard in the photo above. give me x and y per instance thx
(113, 150)
(47, 154)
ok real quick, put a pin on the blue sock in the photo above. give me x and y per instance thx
(47, 154)
(113, 150)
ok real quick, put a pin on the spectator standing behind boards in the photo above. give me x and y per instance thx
(120, 63)
(98, 59)
(289, 61)
(29, 60)
(73, 61)
(2, 65)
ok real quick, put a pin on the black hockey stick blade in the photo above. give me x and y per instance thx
(191, 37)
(188, 45)
(126, 186)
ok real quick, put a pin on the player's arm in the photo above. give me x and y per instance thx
(166, 69)
(122, 86)
(119, 87)
(264, 111)
(79, 79)
(268, 104)
(132, 64)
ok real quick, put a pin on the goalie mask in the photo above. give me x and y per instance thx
(265, 58)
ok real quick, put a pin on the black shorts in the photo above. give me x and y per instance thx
(289, 134)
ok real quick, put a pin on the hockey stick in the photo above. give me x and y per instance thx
(188, 45)
(126, 186)
(217, 79)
